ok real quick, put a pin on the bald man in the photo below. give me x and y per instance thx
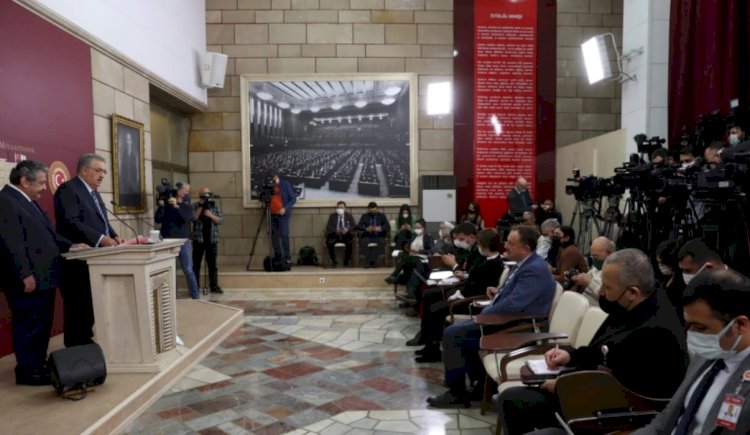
(519, 199)
(591, 281)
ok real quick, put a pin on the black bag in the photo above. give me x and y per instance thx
(276, 263)
(307, 256)
(75, 369)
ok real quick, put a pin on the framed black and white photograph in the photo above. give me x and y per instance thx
(128, 165)
(333, 137)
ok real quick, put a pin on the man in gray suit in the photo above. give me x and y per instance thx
(717, 315)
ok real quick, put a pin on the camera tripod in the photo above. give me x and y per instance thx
(612, 218)
(265, 215)
(588, 212)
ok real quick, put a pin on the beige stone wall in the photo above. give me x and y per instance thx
(313, 36)
(583, 110)
(120, 90)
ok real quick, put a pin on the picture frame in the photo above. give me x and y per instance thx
(128, 166)
(351, 137)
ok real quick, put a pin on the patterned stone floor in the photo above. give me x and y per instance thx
(311, 362)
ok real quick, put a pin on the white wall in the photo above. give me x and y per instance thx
(644, 101)
(162, 36)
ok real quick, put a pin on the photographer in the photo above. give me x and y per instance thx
(590, 282)
(175, 215)
(569, 258)
(207, 218)
(281, 204)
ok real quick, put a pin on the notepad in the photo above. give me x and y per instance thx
(539, 367)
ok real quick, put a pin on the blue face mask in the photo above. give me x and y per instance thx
(708, 346)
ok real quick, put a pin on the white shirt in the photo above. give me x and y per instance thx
(592, 290)
(512, 273)
(720, 381)
(22, 192)
(418, 243)
(543, 245)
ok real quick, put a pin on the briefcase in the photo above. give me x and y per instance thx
(76, 370)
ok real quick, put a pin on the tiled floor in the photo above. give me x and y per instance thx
(312, 362)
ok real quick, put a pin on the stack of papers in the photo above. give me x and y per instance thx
(539, 367)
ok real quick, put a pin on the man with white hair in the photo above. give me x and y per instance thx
(590, 282)
(544, 244)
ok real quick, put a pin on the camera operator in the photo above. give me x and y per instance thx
(281, 204)
(712, 155)
(207, 218)
(687, 157)
(175, 215)
(590, 282)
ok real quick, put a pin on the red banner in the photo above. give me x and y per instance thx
(505, 106)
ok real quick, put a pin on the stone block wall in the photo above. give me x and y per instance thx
(308, 37)
(583, 110)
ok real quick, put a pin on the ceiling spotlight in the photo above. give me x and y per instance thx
(360, 104)
(388, 101)
(314, 109)
(336, 106)
(265, 96)
(283, 105)
(393, 90)
(296, 111)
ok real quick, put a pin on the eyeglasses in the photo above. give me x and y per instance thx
(98, 170)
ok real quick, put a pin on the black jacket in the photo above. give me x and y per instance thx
(333, 222)
(485, 274)
(516, 200)
(175, 221)
(77, 216)
(379, 219)
(647, 351)
(427, 243)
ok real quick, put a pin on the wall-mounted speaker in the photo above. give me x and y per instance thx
(213, 69)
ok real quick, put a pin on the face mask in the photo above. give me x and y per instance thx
(611, 307)
(340, 211)
(665, 270)
(707, 345)
(687, 277)
(418, 231)
(405, 215)
(460, 244)
(186, 198)
(598, 263)
(734, 139)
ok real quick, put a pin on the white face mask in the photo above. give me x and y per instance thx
(418, 231)
(340, 211)
(707, 345)
(461, 244)
(405, 215)
(687, 277)
(665, 270)
(734, 139)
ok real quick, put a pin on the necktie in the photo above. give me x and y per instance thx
(341, 222)
(511, 272)
(97, 199)
(698, 394)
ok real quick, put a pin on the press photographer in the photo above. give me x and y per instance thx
(207, 218)
(175, 215)
(281, 203)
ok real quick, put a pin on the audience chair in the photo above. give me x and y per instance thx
(454, 306)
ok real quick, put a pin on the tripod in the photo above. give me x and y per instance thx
(612, 217)
(265, 215)
(588, 211)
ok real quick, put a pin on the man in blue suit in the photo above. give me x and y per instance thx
(29, 264)
(529, 288)
(282, 201)
(82, 217)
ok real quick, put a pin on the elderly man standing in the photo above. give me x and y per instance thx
(590, 282)
(519, 199)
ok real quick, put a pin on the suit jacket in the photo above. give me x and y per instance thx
(380, 220)
(485, 274)
(28, 244)
(667, 420)
(77, 216)
(649, 332)
(288, 198)
(333, 222)
(529, 289)
(516, 200)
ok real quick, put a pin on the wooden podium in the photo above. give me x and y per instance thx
(133, 290)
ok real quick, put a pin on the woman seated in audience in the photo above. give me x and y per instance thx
(404, 223)
(547, 211)
(421, 243)
(528, 219)
(569, 257)
(473, 215)
(669, 273)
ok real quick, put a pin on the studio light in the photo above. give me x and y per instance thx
(597, 61)
(439, 98)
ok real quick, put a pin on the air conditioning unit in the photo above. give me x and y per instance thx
(437, 196)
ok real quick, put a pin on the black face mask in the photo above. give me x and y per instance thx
(613, 308)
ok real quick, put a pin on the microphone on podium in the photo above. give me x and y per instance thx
(137, 239)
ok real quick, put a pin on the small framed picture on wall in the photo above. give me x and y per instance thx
(128, 166)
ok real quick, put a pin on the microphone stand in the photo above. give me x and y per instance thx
(133, 215)
(137, 241)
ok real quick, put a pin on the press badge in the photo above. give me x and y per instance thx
(730, 411)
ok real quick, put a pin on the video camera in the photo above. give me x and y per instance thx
(567, 283)
(648, 146)
(208, 200)
(165, 190)
(266, 189)
(590, 187)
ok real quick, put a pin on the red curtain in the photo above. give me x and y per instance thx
(707, 60)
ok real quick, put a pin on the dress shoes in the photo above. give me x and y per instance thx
(449, 399)
(429, 348)
(35, 378)
(392, 279)
(416, 340)
(430, 355)
(217, 290)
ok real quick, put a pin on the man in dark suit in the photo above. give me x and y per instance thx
(717, 316)
(29, 264)
(82, 218)
(339, 230)
(642, 343)
(519, 199)
(374, 227)
(529, 288)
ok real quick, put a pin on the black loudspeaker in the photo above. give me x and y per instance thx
(76, 369)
